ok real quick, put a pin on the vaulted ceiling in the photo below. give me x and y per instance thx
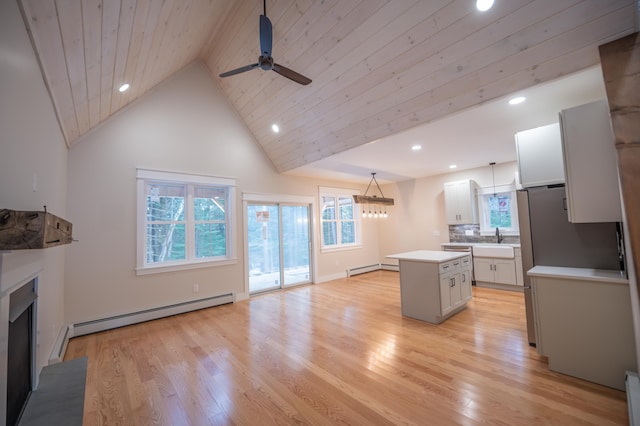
(378, 66)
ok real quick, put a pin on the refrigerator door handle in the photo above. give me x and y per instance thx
(564, 203)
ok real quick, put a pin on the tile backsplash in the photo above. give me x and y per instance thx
(457, 235)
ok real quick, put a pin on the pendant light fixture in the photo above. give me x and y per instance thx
(378, 203)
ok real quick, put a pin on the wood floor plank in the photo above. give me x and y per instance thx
(339, 352)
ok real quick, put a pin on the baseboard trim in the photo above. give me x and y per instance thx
(95, 326)
(60, 345)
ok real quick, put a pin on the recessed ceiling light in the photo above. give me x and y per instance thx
(416, 147)
(124, 87)
(517, 100)
(275, 128)
(484, 5)
(452, 166)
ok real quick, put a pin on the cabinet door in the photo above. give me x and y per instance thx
(465, 202)
(504, 271)
(483, 268)
(445, 293)
(539, 153)
(451, 202)
(460, 202)
(519, 270)
(456, 290)
(590, 164)
(465, 285)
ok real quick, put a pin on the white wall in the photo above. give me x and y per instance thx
(31, 144)
(418, 219)
(184, 125)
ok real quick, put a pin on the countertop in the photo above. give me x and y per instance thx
(585, 274)
(478, 244)
(429, 256)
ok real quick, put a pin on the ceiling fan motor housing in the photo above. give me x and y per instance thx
(266, 63)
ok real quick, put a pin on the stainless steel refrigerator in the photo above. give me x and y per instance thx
(548, 238)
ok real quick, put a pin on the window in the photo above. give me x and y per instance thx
(339, 221)
(498, 210)
(184, 221)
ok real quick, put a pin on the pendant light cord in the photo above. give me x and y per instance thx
(493, 175)
(373, 179)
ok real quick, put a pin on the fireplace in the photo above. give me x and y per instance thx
(20, 349)
(19, 282)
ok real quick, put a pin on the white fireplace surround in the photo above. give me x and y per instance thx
(16, 269)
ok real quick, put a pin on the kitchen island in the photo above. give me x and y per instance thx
(434, 285)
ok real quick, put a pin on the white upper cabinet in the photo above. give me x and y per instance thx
(460, 202)
(539, 153)
(591, 169)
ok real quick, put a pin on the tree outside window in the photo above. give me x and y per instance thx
(182, 222)
(340, 224)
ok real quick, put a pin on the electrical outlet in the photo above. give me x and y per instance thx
(196, 288)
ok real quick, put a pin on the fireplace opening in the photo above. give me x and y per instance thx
(20, 354)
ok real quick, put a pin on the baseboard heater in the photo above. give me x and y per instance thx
(370, 268)
(95, 326)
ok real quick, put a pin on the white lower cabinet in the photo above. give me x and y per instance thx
(584, 324)
(455, 290)
(495, 270)
(517, 253)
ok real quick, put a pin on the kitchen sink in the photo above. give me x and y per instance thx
(493, 250)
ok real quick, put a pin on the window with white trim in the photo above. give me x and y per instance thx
(498, 209)
(339, 221)
(184, 221)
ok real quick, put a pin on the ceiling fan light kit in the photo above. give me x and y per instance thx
(265, 61)
(373, 200)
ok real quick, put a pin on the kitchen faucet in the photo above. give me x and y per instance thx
(498, 236)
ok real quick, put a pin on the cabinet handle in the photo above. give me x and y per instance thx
(453, 282)
(464, 278)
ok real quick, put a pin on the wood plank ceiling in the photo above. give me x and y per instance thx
(378, 66)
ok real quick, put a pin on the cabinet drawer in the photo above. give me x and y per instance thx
(465, 262)
(450, 266)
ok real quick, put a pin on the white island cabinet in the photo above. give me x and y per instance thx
(434, 285)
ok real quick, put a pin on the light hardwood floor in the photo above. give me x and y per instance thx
(334, 353)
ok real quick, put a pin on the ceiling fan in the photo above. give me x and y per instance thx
(265, 61)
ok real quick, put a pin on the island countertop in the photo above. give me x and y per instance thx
(429, 256)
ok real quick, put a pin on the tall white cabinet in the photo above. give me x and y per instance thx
(460, 202)
(590, 164)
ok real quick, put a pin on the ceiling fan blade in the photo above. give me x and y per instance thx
(291, 75)
(239, 70)
(266, 36)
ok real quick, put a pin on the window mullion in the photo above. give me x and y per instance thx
(190, 227)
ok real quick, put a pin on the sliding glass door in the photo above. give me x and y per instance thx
(278, 245)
